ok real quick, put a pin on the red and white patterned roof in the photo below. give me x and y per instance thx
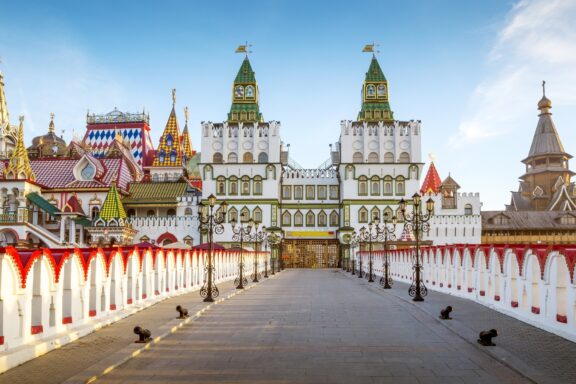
(58, 173)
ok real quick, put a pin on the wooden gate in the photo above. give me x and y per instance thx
(310, 253)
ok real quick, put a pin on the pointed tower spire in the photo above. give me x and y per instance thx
(4, 116)
(546, 140)
(432, 180)
(245, 96)
(169, 153)
(375, 105)
(112, 207)
(186, 143)
(19, 164)
(51, 127)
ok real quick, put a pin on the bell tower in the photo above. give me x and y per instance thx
(375, 104)
(245, 96)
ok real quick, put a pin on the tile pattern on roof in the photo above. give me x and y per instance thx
(112, 207)
(73, 205)
(187, 150)
(19, 165)
(100, 139)
(375, 101)
(59, 174)
(156, 191)
(431, 182)
(169, 151)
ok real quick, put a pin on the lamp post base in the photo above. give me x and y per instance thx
(418, 298)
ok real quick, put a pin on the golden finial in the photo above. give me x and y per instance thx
(51, 125)
(21, 119)
(173, 96)
(186, 114)
(544, 88)
(544, 104)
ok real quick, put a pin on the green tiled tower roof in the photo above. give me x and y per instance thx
(245, 73)
(375, 104)
(112, 207)
(245, 106)
(375, 72)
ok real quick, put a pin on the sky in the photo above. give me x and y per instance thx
(470, 71)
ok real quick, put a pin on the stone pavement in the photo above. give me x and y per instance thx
(542, 356)
(315, 326)
(71, 359)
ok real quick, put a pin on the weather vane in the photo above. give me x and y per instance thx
(244, 48)
(370, 48)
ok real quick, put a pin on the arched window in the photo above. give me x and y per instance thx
(362, 215)
(232, 215)
(188, 211)
(370, 91)
(131, 212)
(374, 186)
(220, 185)
(362, 186)
(249, 92)
(388, 214)
(245, 185)
(310, 219)
(372, 157)
(257, 185)
(263, 157)
(232, 157)
(233, 185)
(248, 158)
(239, 92)
(95, 212)
(286, 219)
(150, 213)
(381, 91)
(298, 219)
(322, 219)
(404, 157)
(173, 155)
(161, 156)
(399, 215)
(400, 190)
(388, 185)
(244, 215)
(468, 209)
(169, 140)
(375, 215)
(217, 158)
(171, 212)
(388, 157)
(357, 157)
(257, 215)
(334, 219)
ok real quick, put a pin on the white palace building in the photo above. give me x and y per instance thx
(376, 162)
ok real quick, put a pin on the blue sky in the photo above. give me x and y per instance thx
(471, 71)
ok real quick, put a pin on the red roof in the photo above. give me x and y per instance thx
(431, 181)
(73, 205)
(59, 173)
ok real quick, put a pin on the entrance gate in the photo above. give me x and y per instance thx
(310, 253)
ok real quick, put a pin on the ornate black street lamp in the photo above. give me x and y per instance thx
(373, 233)
(241, 233)
(274, 241)
(210, 222)
(359, 255)
(389, 234)
(417, 222)
(257, 237)
(354, 243)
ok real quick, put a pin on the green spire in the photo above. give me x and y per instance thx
(245, 74)
(245, 106)
(375, 105)
(112, 207)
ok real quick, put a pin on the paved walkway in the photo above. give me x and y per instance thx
(315, 326)
(71, 359)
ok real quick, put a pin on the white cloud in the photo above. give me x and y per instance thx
(536, 43)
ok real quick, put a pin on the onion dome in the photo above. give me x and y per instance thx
(48, 145)
(544, 104)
